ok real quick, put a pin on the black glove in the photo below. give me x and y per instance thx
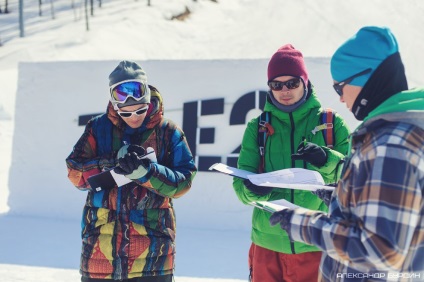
(282, 217)
(259, 190)
(324, 195)
(130, 163)
(311, 153)
(140, 151)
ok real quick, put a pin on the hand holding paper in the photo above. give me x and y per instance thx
(259, 190)
(148, 153)
(324, 195)
(282, 217)
(133, 166)
(109, 179)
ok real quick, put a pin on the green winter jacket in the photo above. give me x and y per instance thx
(290, 129)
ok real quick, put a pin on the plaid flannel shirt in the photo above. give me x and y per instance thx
(374, 230)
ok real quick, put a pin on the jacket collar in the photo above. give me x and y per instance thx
(300, 113)
(406, 106)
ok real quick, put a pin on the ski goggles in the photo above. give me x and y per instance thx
(338, 87)
(290, 84)
(134, 89)
(138, 112)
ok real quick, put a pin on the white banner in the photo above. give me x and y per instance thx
(210, 99)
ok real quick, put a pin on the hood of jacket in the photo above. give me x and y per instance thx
(406, 106)
(153, 116)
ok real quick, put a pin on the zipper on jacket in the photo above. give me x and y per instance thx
(304, 162)
(117, 262)
(292, 164)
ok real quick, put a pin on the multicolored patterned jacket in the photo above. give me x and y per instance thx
(375, 227)
(129, 231)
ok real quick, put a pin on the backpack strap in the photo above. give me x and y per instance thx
(265, 129)
(327, 127)
(327, 118)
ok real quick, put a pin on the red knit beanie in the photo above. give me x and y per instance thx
(287, 61)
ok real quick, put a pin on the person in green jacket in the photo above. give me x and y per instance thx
(295, 140)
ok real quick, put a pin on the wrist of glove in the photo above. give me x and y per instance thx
(311, 153)
(133, 166)
(324, 195)
(283, 218)
(259, 190)
(106, 164)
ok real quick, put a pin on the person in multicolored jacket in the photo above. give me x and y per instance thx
(374, 230)
(295, 118)
(128, 232)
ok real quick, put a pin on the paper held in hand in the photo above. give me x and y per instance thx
(274, 206)
(107, 180)
(292, 178)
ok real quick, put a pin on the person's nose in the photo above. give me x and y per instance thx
(285, 89)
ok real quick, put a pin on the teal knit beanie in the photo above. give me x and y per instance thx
(369, 47)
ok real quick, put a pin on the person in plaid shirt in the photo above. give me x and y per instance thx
(374, 230)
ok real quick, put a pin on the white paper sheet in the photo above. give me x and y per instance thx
(119, 178)
(273, 206)
(292, 178)
(231, 170)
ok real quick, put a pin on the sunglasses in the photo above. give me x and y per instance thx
(339, 86)
(138, 112)
(290, 84)
(134, 89)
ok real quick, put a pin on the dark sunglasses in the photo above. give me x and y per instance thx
(290, 84)
(138, 112)
(339, 86)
